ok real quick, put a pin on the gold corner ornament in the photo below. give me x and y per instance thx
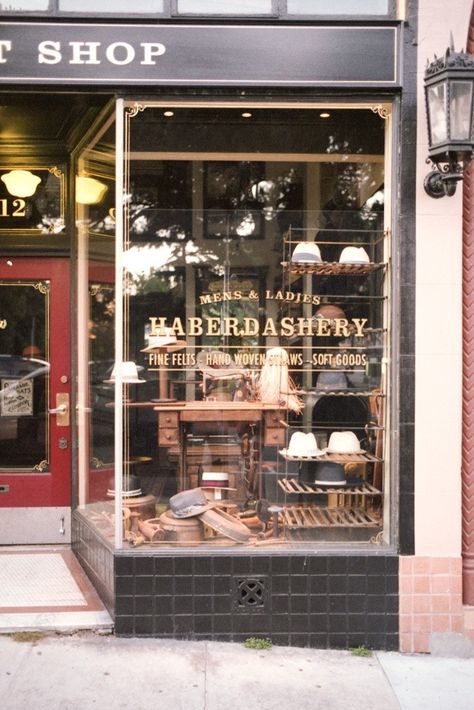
(134, 110)
(41, 466)
(57, 172)
(377, 539)
(42, 287)
(382, 110)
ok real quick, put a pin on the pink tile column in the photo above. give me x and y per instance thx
(430, 600)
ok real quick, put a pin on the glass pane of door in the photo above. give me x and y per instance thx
(24, 375)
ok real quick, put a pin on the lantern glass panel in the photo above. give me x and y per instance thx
(460, 101)
(437, 113)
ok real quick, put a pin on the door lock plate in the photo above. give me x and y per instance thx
(62, 404)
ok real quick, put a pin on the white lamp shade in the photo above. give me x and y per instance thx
(21, 183)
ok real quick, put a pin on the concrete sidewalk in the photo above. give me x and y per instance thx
(85, 671)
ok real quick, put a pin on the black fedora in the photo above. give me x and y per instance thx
(329, 473)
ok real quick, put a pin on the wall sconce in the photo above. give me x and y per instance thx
(21, 183)
(89, 191)
(449, 106)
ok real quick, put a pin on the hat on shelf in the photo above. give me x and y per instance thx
(329, 380)
(214, 479)
(167, 340)
(306, 253)
(189, 503)
(354, 255)
(130, 487)
(329, 473)
(129, 373)
(344, 442)
(302, 444)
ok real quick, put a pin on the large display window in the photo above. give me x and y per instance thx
(250, 382)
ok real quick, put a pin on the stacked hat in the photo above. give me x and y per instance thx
(306, 253)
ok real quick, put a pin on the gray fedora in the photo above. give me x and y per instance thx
(189, 503)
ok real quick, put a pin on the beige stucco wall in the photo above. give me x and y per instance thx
(438, 318)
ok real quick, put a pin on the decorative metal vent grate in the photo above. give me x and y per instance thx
(251, 594)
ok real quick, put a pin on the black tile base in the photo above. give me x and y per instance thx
(307, 601)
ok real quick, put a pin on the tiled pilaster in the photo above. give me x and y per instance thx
(430, 600)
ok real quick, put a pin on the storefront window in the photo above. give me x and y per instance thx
(255, 335)
(95, 223)
(230, 7)
(118, 6)
(338, 7)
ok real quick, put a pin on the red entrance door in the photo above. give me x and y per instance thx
(35, 426)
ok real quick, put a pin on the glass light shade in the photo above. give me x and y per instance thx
(460, 101)
(21, 183)
(89, 191)
(436, 96)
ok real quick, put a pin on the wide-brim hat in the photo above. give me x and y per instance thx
(167, 340)
(302, 444)
(344, 442)
(329, 473)
(306, 252)
(129, 372)
(354, 255)
(189, 503)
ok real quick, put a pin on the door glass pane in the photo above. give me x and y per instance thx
(24, 375)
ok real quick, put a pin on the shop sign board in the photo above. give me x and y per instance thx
(202, 55)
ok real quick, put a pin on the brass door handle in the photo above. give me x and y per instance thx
(61, 409)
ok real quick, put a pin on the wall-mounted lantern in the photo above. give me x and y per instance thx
(449, 94)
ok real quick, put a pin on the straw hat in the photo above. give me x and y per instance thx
(354, 255)
(344, 442)
(302, 445)
(167, 340)
(306, 252)
(129, 374)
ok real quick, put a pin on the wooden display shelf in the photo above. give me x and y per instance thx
(303, 516)
(291, 485)
(332, 268)
(364, 457)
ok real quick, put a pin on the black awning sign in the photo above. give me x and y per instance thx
(198, 54)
